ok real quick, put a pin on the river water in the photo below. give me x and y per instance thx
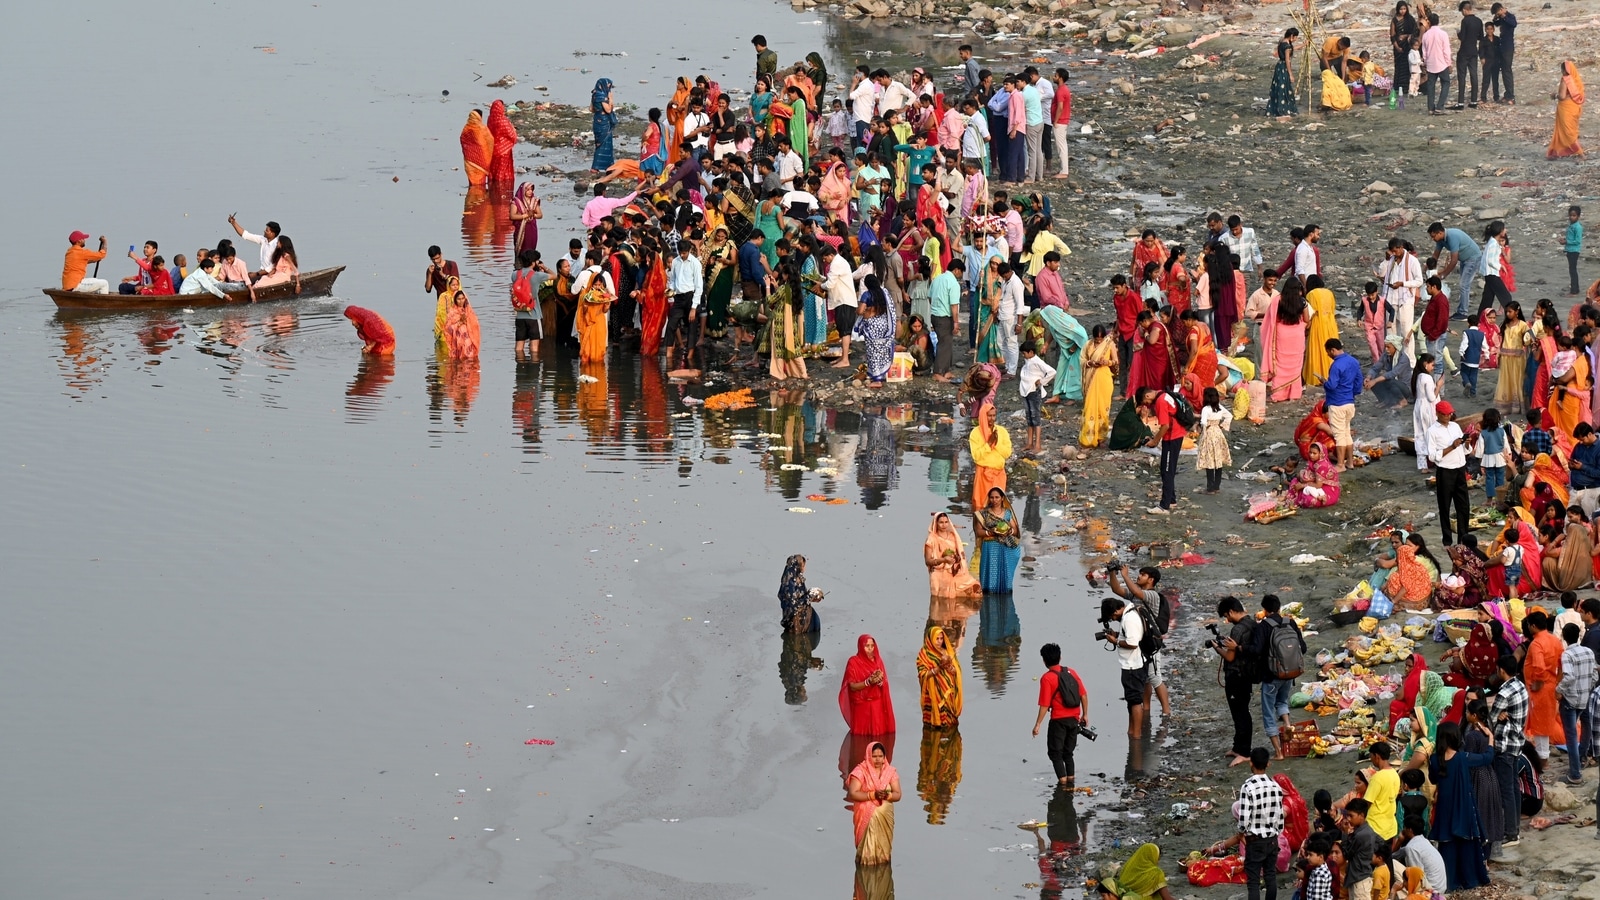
(279, 620)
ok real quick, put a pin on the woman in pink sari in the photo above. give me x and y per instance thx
(872, 789)
(1283, 343)
(835, 193)
(1316, 485)
(1489, 324)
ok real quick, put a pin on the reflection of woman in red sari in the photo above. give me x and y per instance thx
(864, 695)
(1314, 429)
(652, 302)
(1200, 371)
(477, 149)
(377, 337)
(502, 168)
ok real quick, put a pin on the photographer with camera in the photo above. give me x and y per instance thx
(1142, 591)
(1064, 699)
(1122, 625)
(1238, 671)
(1279, 650)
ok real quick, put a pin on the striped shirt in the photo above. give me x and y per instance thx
(1511, 699)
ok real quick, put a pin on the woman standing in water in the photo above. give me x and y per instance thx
(795, 599)
(526, 211)
(461, 332)
(996, 527)
(864, 696)
(873, 788)
(1281, 101)
(604, 122)
(939, 675)
(949, 574)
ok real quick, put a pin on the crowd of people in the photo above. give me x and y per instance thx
(1424, 61)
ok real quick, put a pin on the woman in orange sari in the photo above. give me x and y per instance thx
(990, 446)
(477, 149)
(652, 302)
(461, 334)
(1200, 371)
(1569, 402)
(1569, 107)
(594, 302)
(949, 574)
(1314, 429)
(872, 789)
(441, 312)
(1546, 470)
(677, 108)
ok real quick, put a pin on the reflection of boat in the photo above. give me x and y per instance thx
(312, 284)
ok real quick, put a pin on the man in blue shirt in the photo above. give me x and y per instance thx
(1339, 392)
(944, 304)
(1456, 250)
(1585, 469)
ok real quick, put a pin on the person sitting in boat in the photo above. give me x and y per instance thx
(203, 281)
(75, 270)
(268, 239)
(136, 284)
(160, 279)
(229, 269)
(285, 267)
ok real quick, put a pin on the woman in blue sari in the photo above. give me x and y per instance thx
(996, 528)
(875, 328)
(761, 103)
(1070, 339)
(604, 123)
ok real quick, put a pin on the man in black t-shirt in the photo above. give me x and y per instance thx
(1238, 673)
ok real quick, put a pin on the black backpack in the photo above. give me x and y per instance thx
(1067, 689)
(1182, 412)
(1151, 642)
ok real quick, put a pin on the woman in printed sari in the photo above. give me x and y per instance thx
(939, 675)
(1466, 563)
(786, 355)
(1474, 665)
(991, 286)
(875, 328)
(1569, 561)
(990, 447)
(795, 599)
(461, 333)
(864, 696)
(526, 211)
(1316, 485)
(1200, 368)
(652, 298)
(1140, 878)
(834, 195)
(653, 146)
(944, 554)
(441, 311)
(603, 121)
(502, 168)
(677, 109)
(1314, 429)
(1569, 108)
(477, 149)
(1099, 380)
(996, 528)
(377, 338)
(1436, 704)
(872, 789)
(717, 260)
(1152, 362)
(1283, 343)
(1148, 249)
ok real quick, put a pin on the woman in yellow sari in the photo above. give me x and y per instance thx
(990, 446)
(1099, 384)
(872, 789)
(1569, 403)
(1569, 108)
(1546, 469)
(441, 313)
(939, 674)
(1324, 326)
(1335, 93)
(949, 572)
(1140, 878)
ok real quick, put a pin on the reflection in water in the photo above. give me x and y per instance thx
(452, 387)
(364, 397)
(999, 641)
(486, 227)
(939, 771)
(594, 405)
(876, 470)
(951, 614)
(794, 660)
(525, 405)
(875, 882)
(1067, 839)
(794, 419)
(652, 419)
(943, 469)
(159, 336)
(83, 364)
(1032, 521)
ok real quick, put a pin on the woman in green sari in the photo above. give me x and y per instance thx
(1434, 705)
(1128, 430)
(798, 137)
(717, 260)
(1140, 878)
(1069, 339)
(786, 345)
(990, 287)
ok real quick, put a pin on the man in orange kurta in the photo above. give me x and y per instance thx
(1541, 670)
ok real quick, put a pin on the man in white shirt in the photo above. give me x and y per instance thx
(789, 166)
(686, 286)
(1399, 280)
(1420, 852)
(1241, 242)
(975, 134)
(697, 125)
(1031, 383)
(1129, 659)
(892, 94)
(268, 239)
(863, 106)
(1008, 318)
(839, 283)
(1305, 255)
(200, 281)
(1447, 451)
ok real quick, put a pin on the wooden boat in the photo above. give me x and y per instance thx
(318, 283)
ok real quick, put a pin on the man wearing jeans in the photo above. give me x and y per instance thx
(1577, 682)
(1509, 714)
(1456, 250)
(1260, 822)
(1436, 62)
(1275, 691)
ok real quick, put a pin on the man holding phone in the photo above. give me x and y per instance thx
(1446, 450)
(268, 239)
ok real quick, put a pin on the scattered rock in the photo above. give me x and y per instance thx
(1193, 62)
(1485, 215)
(1461, 210)
(1378, 187)
(1467, 173)
(1427, 195)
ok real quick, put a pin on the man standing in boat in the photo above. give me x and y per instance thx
(76, 269)
(268, 239)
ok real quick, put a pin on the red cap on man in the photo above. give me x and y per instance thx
(1443, 408)
(77, 236)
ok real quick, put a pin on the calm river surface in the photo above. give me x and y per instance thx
(278, 620)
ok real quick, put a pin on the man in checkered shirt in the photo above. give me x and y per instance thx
(1260, 820)
(1509, 713)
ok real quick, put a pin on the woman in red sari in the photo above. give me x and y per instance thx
(1148, 249)
(1545, 350)
(1489, 324)
(1532, 560)
(1200, 370)
(1400, 707)
(1153, 361)
(502, 169)
(864, 695)
(1314, 429)
(477, 149)
(652, 303)
(376, 336)
(928, 211)
(1176, 282)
